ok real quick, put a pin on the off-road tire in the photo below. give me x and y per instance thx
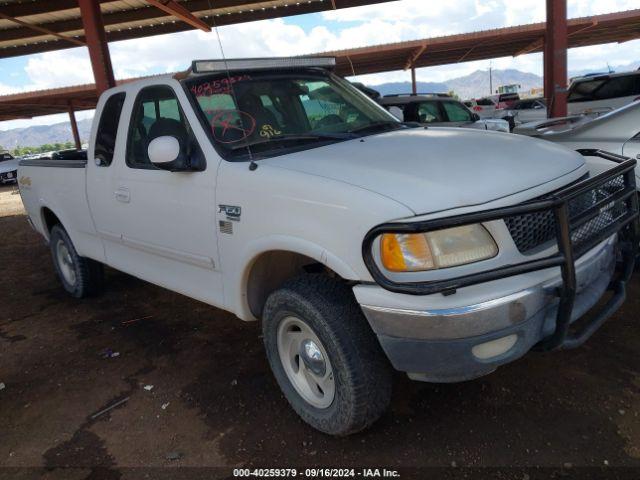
(89, 274)
(362, 373)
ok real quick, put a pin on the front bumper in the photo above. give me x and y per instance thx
(438, 345)
(463, 343)
(9, 177)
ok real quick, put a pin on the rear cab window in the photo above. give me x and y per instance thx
(108, 129)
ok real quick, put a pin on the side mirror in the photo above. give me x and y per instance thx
(475, 117)
(165, 153)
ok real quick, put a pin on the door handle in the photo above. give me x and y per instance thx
(122, 195)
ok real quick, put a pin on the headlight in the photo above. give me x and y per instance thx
(417, 252)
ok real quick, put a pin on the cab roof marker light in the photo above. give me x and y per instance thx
(211, 66)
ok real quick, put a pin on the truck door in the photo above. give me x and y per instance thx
(160, 225)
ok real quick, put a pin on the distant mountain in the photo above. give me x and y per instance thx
(477, 84)
(474, 85)
(405, 87)
(627, 67)
(43, 134)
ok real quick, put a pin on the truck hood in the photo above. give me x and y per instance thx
(9, 165)
(438, 168)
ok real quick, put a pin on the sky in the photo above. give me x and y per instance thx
(333, 30)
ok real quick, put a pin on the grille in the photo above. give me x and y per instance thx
(533, 230)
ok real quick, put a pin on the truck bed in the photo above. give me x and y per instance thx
(53, 189)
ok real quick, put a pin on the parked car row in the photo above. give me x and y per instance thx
(438, 110)
(589, 95)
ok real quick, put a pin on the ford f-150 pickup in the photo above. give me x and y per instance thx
(277, 191)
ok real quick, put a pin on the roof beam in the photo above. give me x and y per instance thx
(414, 56)
(633, 36)
(180, 12)
(40, 29)
(539, 43)
(467, 53)
(535, 45)
(55, 106)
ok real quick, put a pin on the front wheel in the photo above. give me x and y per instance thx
(80, 276)
(324, 355)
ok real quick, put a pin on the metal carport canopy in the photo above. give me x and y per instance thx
(615, 27)
(34, 26)
(501, 42)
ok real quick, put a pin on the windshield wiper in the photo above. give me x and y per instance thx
(376, 125)
(298, 137)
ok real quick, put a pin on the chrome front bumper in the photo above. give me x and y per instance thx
(438, 345)
(495, 314)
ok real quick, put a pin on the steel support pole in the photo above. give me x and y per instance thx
(414, 84)
(74, 127)
(97, 43)
(555, 58)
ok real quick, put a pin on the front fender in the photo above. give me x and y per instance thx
(285, 243)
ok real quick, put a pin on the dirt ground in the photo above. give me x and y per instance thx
(10, 202)
(214, 405)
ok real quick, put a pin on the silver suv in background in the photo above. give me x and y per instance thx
(603, 93)
(438, 110)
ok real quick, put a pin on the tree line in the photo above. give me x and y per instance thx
(47, 147)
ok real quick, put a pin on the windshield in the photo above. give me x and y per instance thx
(276, 114)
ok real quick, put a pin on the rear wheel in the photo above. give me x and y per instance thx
(325, 356)
(80, 276)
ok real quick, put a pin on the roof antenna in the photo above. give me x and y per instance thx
(252, 164)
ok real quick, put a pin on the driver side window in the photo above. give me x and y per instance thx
(156, 113)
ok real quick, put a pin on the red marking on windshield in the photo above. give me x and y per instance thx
(219, 86)
(230, 126)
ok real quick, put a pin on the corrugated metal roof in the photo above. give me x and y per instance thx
(480, 45)
(125, 19)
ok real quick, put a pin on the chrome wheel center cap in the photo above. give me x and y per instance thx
(313, 358)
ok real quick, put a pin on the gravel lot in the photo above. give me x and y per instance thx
(213, 402)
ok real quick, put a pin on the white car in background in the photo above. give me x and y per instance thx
(483, 107)
(603, 93)
(8, 168)
(529, 110)
(438, 110)
(616, 132)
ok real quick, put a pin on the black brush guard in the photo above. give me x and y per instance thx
(624, 201)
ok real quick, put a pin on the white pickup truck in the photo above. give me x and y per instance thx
(277, 191)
